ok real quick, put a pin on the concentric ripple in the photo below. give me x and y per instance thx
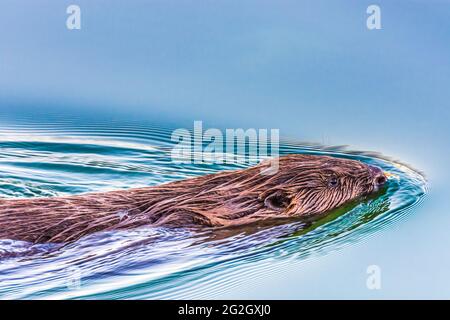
(38, 160)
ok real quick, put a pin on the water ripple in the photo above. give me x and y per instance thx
(62, 158)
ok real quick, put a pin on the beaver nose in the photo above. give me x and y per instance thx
(379, 178)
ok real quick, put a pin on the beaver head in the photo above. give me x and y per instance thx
(304, 185)
(312, 185)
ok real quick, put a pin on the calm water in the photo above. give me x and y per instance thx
(62, 158)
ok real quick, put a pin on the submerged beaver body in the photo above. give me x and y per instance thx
(304, 185)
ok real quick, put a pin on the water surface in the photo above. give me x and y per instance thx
(61, 158)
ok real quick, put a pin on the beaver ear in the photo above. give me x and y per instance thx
(278, 201)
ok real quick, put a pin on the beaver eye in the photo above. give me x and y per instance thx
(333, 182)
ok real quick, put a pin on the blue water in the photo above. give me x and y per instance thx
(310, 68)
(60, 158)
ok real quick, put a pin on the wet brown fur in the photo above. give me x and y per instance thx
(301, 187)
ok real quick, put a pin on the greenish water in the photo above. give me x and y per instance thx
(38, 160)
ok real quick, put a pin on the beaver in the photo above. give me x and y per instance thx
(303, 186)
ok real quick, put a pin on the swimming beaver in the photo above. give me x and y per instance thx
(304, 185)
